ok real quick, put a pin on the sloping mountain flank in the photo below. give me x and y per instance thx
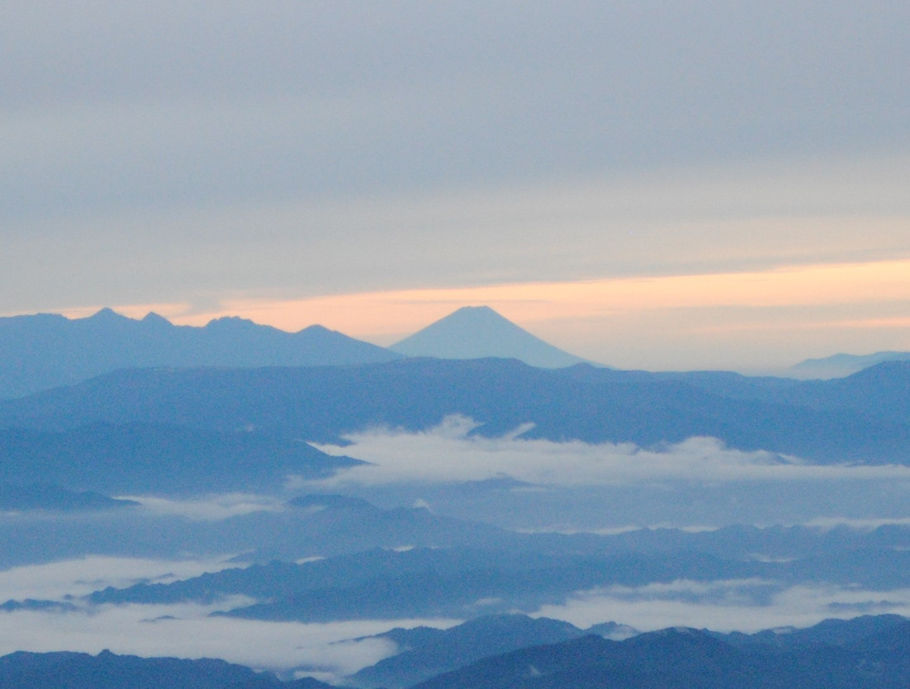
(691, 658)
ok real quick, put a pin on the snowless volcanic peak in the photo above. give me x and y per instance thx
(474, 332)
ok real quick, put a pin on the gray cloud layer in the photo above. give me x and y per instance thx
(179, 151)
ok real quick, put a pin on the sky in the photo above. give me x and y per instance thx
(645, 184)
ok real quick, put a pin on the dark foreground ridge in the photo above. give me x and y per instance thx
(865, 653)
(110, 671)
(695, 659)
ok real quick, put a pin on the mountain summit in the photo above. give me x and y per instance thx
(475, 332)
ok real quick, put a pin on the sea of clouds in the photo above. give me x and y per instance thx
(186, 630)
(451, 453)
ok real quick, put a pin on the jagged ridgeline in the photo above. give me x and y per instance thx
(47, 350)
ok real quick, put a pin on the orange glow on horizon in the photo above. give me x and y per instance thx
(716, 320)
(388, 314)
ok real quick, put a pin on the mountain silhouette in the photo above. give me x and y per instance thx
(476, 332)
(691, 658)
(43, 351)
(46, 496)
(138, 457)
(862, 418)
(67, 670)
(841, 365)
(450, 649)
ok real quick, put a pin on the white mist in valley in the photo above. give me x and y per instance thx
(538, 484)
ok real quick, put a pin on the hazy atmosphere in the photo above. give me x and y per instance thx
(454, 344)
(654, 185)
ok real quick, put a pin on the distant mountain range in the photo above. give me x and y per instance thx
(864, 653)
(303, 527)
(43, 351)
(694, 659)
(476, 332)
(506, 571)
(429, 652)
(47, 350)
(841, 365)
(64, 670)
(862, 418)
(347, 531)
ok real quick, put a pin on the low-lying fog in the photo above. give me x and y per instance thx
(511, 481)
(337, 648)
(540, 484)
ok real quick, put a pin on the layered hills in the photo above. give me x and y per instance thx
(867, 653)
(500, 573)
(697, 659)
(862, 418)
(195, 443)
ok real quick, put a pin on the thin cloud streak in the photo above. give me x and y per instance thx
(332, 649)
(854, 523)
(77, 577)
(208, 508)
(725, 605)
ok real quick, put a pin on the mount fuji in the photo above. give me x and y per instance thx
(476, 332)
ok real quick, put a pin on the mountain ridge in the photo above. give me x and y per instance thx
(686, 657)
(861, 418)
(873, 656)
(44, 351)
